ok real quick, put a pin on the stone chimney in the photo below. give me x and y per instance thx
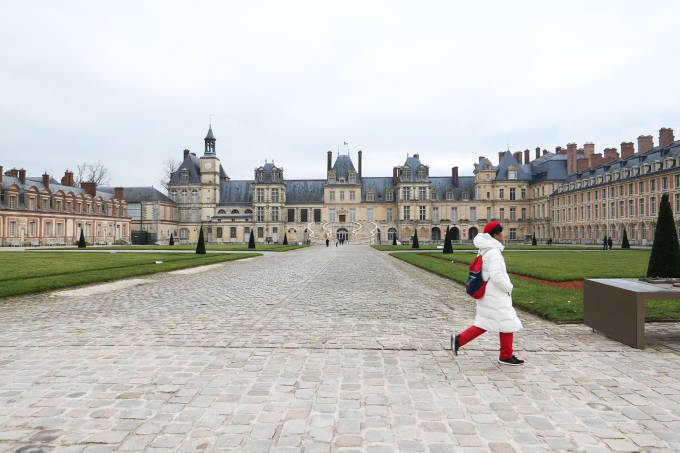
(595, 160)
(627, 149)
(118, 193)
(500, 156)
(527, 156)
(22, 176)
(454, 176)
(571, 158)
(359, 164)
(645, 143)
(610, 154)
(588, 149)
(582, 164)
(394, 175)
(46, 181)
(90, 187)
(329, 165)
(665, 136)
(518, 157)
(538, 152)
(545, 151)
(186, 153)
(0, 173)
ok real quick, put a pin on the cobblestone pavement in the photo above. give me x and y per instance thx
(318, 350)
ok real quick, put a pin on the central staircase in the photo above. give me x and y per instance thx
(360, 233)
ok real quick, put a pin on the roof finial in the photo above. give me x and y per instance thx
(508, 147)
(211, 121)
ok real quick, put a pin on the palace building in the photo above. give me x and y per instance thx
(551, 195)
(42, 211)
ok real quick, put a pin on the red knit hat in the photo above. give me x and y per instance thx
(490, 226)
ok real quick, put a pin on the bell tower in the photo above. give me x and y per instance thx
(210, 144)
(210, 177)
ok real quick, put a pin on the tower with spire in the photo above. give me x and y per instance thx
(210, 143)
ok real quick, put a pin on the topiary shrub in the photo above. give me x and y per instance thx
(448, 247)
(172, 240)
(394, 239)
(533, 240)
(664, 261)
(251, 242)
(285, 239)
(200, 247)
(624, 241)
(415, 240)
(81, 242)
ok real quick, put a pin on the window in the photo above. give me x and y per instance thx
(246, 233)
(173, 195)
(652, 185)
(275, 195)
(512, 174)
(677, 181)
(12, 228)
(303, 215)
(501, 193)
(630, 189)
(342, 195)
(31, 204)
(274, 176)
(194, 215)
(488, 195)
(641, 187)
(513, 214)
(260, 214)
(331, 215)
(369, 214)
(232, 232)
(331, 195)
(99, 229)
(524, 213)
(352, 195)
(652, 206)
(422, 173)
(88, 207)
(513, 233)
(275, 214)
(502, 213)
(631, 208)
(433, 196)
(390, 217)
(352, 178)
(407, 213)
(512, 194)
(352, 215)
(317, 215)
(435, 214)
(184, 177)
(389, 196)
(677, 202)
(58, 206)
(219, 232)
(88, 228)
(422, 193)
(524, 194)
(454, 214)
(183, 215)
(466, 196)
(331, 178)
(488, 214)
(391, 234)
(664, 183)
(184, 233)
(31, 229)
(406, 174)
(406, 193)
(260, 232)
(260, 195)
(596, 212)
(58, 233)
(422, 213)
(369, 195)
(449, 196)
(612, 213)
(291, 215)
(473, 214)
(183, 196)
(621, 209)
(261, 176)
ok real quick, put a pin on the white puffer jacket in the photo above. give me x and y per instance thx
(494, 310)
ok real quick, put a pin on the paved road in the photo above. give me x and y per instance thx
(317, 350)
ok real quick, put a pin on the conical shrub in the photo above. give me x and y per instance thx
(251, 242)
(415, 240)
(394, 239)
(624, 241)
(285, 239)
(200, 247)
(81, 242)
(172, 240)
(533, 240)
(664, 261)
(448, 247)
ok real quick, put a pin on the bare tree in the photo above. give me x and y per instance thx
(168, 167)
(92, 172)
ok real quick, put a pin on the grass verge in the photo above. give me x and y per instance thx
(60, 270)
(394, 248)
(208, 247)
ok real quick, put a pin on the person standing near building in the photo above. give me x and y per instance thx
(609, 242)
(604, 243)
(327, 242)
(494, 310)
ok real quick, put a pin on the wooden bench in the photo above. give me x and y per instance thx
(616, 307)
(35, 243)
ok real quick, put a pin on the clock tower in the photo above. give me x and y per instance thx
(210, 177)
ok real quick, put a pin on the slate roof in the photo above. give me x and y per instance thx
(343, 165)
(549, 167)
(413, 163)
(139, 194)
(193, 165)
(268, 167)
(210, 135)
(483, 162)
(236, 192)
(379, 185)
(55, 186)
(443, 183)
(523, 170)
(305, 191)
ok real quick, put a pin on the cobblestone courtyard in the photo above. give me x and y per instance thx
(318, 350)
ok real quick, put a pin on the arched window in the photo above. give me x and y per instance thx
(221, 212)
(391, 234)
(183, 197)
(173, 195)
(234, 211)
(249, 211)
(194, 196)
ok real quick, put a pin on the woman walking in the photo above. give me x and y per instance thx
(494, 309)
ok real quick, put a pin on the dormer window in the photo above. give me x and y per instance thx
(184, 177)
(466, 196)
(406, 174)
(512, 173)
(274, 176)
(331, 178)
(261, 176)
(434, 196)
(487, 166)
(352, 178)
(422, 173)
(369, 195)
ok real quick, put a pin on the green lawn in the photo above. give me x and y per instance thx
(555, 304)
(389, 248)
(566, 266)
(29, 272)
(208, 247)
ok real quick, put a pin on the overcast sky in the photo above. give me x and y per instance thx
(132, 83)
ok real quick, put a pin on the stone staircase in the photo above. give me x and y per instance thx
(359, 232)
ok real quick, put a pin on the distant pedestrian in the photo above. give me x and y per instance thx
(327, 242)
(494, 309)
(609, 242)
(604, 243)
(336, 242)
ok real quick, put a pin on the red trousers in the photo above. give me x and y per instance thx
(474, 331)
